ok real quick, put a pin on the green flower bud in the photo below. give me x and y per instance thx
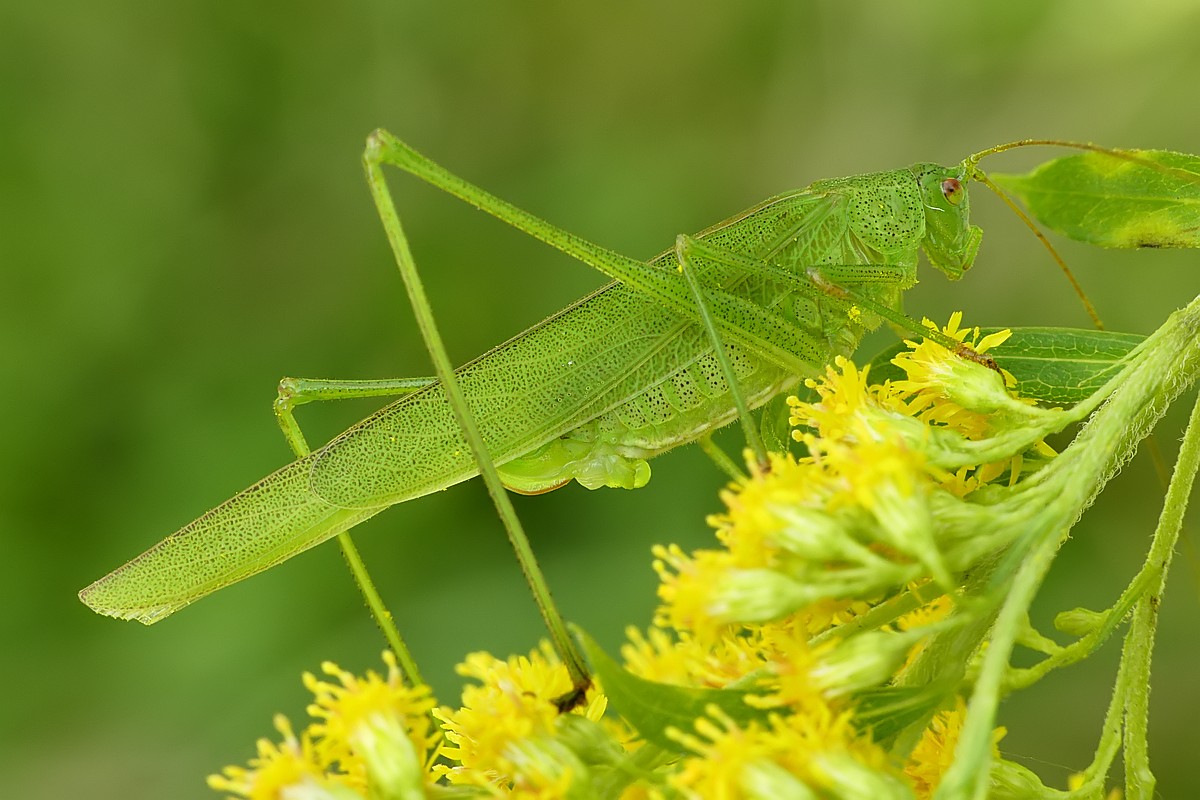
(975, 387)
(863, 661)
(759, 595)
(1078, 622)
(1009, 780)
(815, 535)
(393, 767)
(905, 522)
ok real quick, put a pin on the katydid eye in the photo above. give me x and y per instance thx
(952, 190)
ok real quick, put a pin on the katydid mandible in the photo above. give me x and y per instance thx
(591, 393)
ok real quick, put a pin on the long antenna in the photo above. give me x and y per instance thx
(972, 161)
(971, 164)
(1124, 155)
(982, 177)
(1000, 148)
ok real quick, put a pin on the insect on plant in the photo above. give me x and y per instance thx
(596, 390)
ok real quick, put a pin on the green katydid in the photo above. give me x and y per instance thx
(597, 389)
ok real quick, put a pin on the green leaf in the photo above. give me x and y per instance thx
(1115, 202)
(1052, 365)
(651, 708)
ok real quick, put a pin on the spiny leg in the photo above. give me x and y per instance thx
(381, 149)
(298, 391)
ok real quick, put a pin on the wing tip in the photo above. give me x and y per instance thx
(93, 597)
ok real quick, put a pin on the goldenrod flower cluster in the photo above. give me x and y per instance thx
(837, 570)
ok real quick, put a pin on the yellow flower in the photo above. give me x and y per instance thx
(355, 712)
(290, 763)
(892, 480)
(690, 587)
(933, 371)
(773, 659)
(687, 661)
(934, 754)
(784, 757)
(945, 390)
(932, 612)
(503, 735)
(842, 392)
(791, 664)
(779, 514)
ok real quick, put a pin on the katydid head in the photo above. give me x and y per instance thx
(951, 241)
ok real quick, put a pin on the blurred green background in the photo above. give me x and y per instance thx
(183, 221)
